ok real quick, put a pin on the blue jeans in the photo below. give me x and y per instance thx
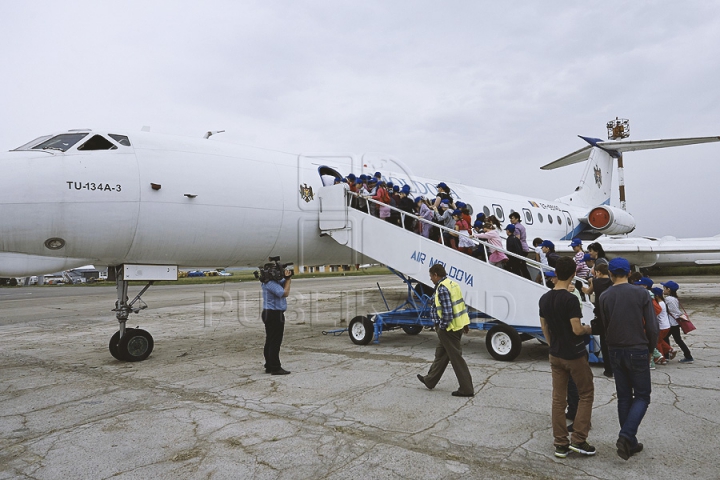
(632, 381)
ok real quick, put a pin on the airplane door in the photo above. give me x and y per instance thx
(569, 226)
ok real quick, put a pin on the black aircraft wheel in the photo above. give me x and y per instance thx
(114, 344)
(361, 330)
(503, 342)
(136, 345)
(412, 329)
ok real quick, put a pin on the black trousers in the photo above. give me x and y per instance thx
(675, 333)
(523, 267)
(274, 321)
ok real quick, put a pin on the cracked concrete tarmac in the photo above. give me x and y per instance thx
(202, 407)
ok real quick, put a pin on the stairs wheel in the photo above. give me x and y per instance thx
(503, 342)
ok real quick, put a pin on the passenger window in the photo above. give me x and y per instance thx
(568, 219)
(499, 212)
(540, 217)
(469, 209)
(486, 211)
(549, 218)
(528, 216)
(121, 139)
(97, 142)
(559, 220)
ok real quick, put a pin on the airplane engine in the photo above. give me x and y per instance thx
(610, 220)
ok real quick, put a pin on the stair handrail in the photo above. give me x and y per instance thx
(540, 266)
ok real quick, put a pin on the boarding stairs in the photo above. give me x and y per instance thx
(503, 296)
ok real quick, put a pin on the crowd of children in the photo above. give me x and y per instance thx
(462, 233)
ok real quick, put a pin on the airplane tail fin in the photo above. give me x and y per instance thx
(596, 183)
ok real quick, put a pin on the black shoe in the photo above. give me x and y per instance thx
(267, 370)
(624, 450)
(458, 393)
(279, 371)
(608, 373)
(422, 380)
(562, 451)
(583, 448)
(636, 449)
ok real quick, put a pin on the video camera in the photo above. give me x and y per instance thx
(273, 270)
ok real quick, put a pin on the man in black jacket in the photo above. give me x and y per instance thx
(514, 264)
(631, 334)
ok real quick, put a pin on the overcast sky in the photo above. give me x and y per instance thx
(483, 92)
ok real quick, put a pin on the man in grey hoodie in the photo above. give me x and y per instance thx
(631, 334)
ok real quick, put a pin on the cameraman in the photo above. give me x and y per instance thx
(273, 316)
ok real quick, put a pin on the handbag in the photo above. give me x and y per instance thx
(685, 324)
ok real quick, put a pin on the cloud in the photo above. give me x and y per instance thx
(486, 92)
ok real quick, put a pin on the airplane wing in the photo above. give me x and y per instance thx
(575, 157)
(621, 146)
(645, 251)
(633, 145)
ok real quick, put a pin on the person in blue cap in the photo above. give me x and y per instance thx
(352, 182)
(582, 270)
(513, 245)
(443, 193)
(631, 332)
(598, 284)
(394, 192)
(548, 248)
(647, 283)
(560, 314)
(443, 215)
(354, 186)
(407, 205)
(464, 241)
(422, 210)
(674, 314)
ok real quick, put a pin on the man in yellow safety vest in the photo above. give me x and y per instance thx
(451, 320)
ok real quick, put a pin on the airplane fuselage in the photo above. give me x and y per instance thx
(161, 199)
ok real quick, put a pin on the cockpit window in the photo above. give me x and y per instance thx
(121, 139)
(97, 142)
(29, 145)
(61, 142)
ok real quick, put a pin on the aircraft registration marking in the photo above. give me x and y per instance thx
(101, 187)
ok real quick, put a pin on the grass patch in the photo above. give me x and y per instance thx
(240, 276)
(683, 271)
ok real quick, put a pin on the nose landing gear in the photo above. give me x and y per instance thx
(129, 344)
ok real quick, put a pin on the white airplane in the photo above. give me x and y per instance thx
(146, 204)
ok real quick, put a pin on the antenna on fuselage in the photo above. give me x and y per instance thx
(617, 130)
(212, 132)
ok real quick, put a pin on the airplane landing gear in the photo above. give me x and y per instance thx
(129, 344)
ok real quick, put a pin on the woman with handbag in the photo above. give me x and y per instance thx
(675, 315)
